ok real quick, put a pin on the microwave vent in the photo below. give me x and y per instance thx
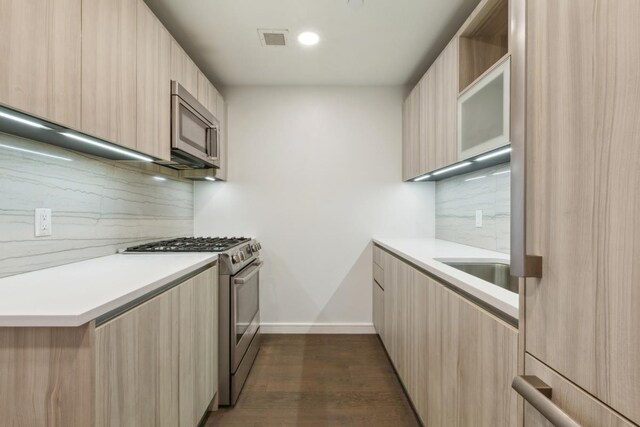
(273, 37)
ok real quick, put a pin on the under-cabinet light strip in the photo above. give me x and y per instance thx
(24, 150)
(107, 147)
(492, 155)
(451, 168)
(23, 121)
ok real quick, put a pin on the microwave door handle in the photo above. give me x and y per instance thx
(212, 142)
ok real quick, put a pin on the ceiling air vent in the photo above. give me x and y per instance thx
(274, 37)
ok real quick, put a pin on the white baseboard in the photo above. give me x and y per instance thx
(317, 328)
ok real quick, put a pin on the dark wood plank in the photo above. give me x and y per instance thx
(320, 380)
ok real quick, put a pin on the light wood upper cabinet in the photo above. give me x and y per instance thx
(221, 173)
(446, 141)
(40, 51)
(429, 130)
(137, 366)
(411, 135)
(207, 94)
(583, 197)
(109, 77)
(153, 85)
(183, 69)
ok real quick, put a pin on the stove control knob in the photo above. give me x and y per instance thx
(235, 259)
(259, 246)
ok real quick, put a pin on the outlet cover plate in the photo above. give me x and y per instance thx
(43, 222)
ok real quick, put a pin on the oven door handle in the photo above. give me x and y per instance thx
(251, 271)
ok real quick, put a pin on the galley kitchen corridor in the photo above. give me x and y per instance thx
(319, 380)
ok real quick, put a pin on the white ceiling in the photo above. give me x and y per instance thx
(383, 42)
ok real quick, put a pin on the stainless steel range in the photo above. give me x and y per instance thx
(239, 311)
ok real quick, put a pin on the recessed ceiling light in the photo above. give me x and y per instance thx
(308, 38)
(159, 178)
(210, 178)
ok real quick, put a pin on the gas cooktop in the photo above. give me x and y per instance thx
(190, 244)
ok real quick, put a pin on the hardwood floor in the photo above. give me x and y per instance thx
(320, 380)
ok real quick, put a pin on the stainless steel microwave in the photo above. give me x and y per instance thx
(195, 137)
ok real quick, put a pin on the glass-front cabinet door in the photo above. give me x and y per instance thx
(483, 113)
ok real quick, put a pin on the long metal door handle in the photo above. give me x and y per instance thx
(245, 278)
(538, 394)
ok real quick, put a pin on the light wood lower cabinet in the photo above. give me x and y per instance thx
(198, 346)
(580, 406)
(40, 51)
(456, 360)
(137, 365)
(157, 364)
(153, 365)
(378, 309)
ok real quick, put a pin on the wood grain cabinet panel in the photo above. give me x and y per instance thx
(153, 85)
(46, 376)
(411, 135)
(207, 94)
(222, 172)
(198, 346)
(109, 77)
(378, 309)
(583, 408)
(428, 118)
(456, 360)
(583, 105)
(40, 51)
(137, 365)
(446, 141)
(183, 69)
(437, 121)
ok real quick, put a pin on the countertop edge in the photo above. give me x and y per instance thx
(448, 274)
(79, 319)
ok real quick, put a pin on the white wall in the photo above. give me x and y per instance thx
(314, 173)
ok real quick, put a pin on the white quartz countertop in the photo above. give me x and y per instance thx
(425, 252)
(74, 294)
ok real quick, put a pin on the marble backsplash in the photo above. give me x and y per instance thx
(98, 206)
(457, 200)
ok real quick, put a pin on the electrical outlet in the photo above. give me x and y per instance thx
(43, 222)
(479, 218)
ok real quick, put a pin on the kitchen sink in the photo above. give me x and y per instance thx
(493, 272)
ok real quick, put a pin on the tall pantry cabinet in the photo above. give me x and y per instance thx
(578, 163)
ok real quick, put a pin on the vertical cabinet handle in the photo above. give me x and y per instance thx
(522, 264)
(538, 395)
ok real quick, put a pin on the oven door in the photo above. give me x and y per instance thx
(245, 311)
(194, 139)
